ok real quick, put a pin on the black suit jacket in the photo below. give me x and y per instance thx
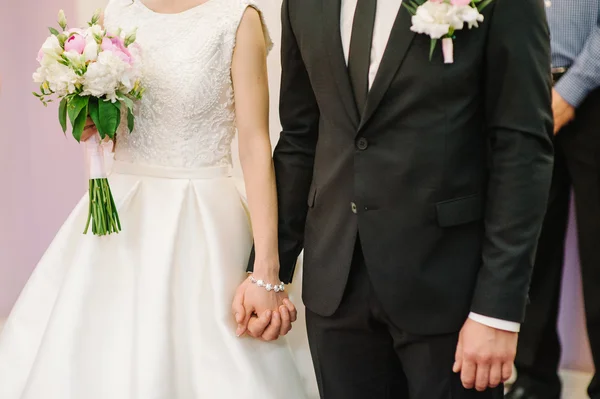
(444, 178)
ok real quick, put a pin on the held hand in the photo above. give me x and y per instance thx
(89, 130)
(563, 111)
(484, 355)
(281, 322)
(262, 314)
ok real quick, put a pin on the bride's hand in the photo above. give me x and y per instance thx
(89, 130)
(262, 314)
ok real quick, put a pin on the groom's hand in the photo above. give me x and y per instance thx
(262, 314)
(281, 322)
(484, 355)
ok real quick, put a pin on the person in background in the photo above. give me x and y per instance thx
(575, 31)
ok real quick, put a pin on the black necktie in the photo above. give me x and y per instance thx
(359, 58)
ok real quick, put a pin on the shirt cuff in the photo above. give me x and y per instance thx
(495, 323)
(572, 89)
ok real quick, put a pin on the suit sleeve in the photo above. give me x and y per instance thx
(519, 123)
(294, 155)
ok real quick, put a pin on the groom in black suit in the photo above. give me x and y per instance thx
(416, 189)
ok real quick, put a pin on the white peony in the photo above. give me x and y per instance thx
(39, 76)
(61, 79)
(104, 76)
(129, 77)
(436, 18)
(432, 19)
(126, 82)
(471, 16)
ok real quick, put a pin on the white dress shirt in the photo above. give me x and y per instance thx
(385, 16)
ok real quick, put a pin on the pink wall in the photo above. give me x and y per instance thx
(576, 349)
(41, 175)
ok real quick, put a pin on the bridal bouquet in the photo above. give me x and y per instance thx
(95, 74)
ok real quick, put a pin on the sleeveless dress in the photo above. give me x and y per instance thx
(145, 314)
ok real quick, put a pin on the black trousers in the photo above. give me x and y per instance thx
(577, 167)
(359, 354)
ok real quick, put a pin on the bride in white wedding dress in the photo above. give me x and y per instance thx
(145, 314)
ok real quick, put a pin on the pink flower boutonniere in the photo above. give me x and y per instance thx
(439, 19)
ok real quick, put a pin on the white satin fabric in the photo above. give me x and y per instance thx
(145, 314)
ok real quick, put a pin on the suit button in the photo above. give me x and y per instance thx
(362, 144)
(353, 207)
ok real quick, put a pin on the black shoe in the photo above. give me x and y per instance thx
(518, 392)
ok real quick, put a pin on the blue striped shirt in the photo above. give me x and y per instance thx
(575, 33)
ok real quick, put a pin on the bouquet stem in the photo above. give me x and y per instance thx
(102, 214)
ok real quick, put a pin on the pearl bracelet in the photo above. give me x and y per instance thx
(269, 287)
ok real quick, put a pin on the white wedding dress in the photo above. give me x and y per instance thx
(145, 314)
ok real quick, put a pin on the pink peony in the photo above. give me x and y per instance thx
(40, 55)
(461, 2)
(75, 43)
(117, 47)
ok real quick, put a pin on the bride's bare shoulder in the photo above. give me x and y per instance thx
(253, 20)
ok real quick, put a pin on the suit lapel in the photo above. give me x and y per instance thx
(398, 44)
(333, 39)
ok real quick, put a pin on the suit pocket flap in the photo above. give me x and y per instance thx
(460, 210)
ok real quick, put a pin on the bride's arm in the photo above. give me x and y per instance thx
(249, 74)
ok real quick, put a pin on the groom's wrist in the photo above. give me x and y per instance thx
(493, 322)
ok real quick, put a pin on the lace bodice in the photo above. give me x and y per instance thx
(186, 117)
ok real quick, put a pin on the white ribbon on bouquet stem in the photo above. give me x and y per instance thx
(95, 155)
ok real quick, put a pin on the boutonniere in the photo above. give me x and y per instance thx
(439, 19)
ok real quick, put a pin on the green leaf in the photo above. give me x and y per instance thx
(127, 101)
(432, 48)
(109, 116)
(76, 104)
(96, 16)
(79, 123)
(62, 114)
(95, 115)
(410, 8)
(77, 109)
(62, 39)
(54, 31)
(118, 106)
(483, 5)
(130, 120)
(130, 38)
